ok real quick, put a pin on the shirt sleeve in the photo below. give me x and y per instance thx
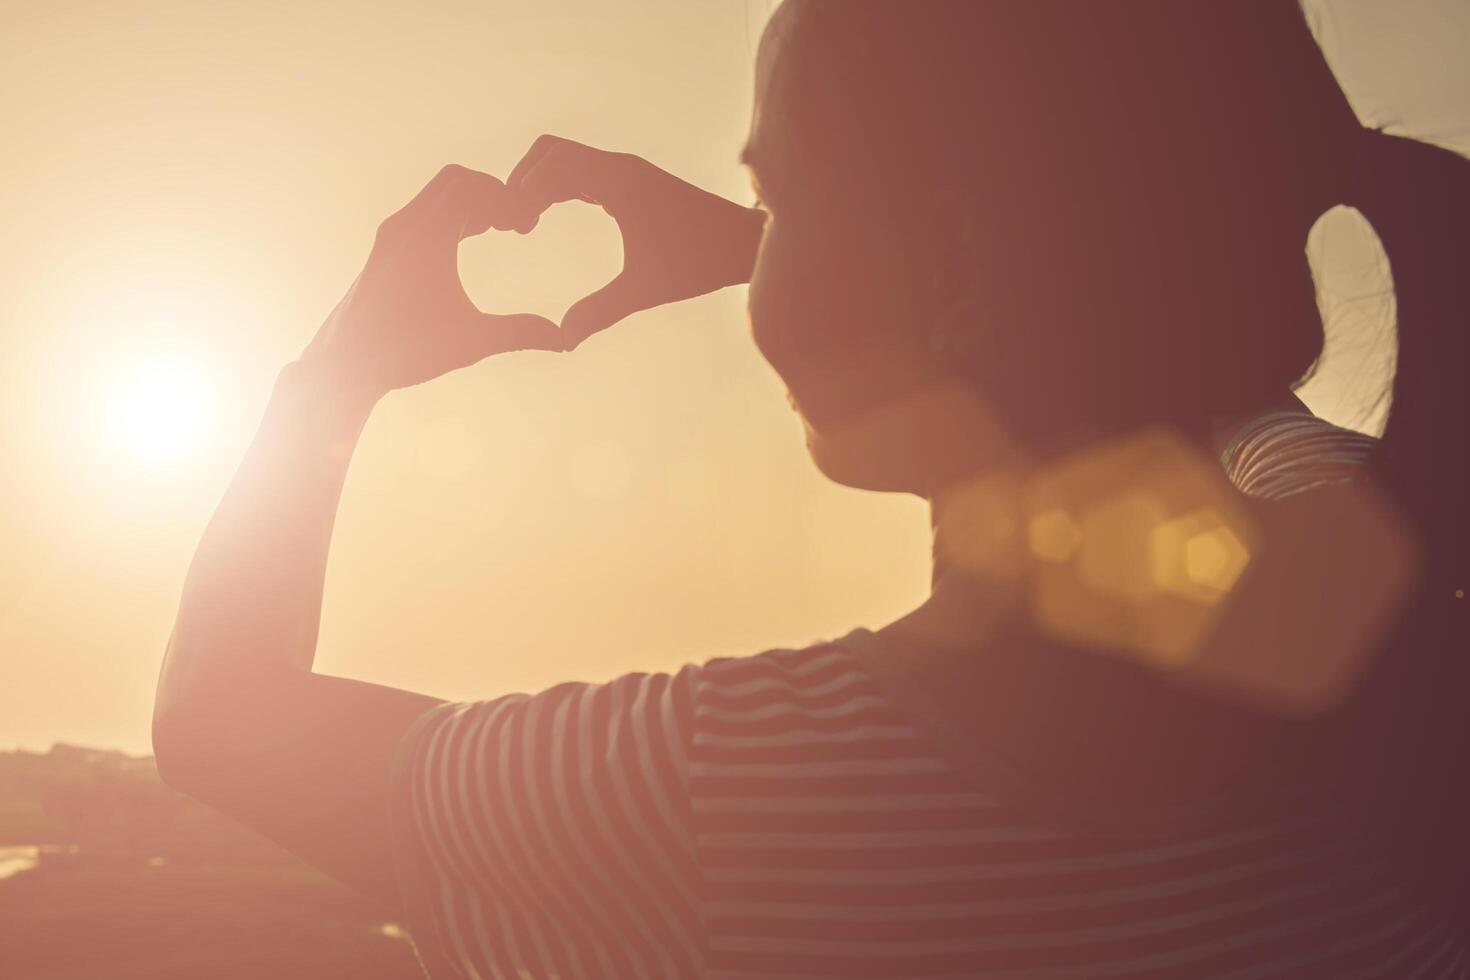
(1283, 453)
(549, 835)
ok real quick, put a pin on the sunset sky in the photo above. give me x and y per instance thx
(186, 190)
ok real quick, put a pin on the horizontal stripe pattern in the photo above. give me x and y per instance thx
(630, 830)
(778, 817)
(1284, 453)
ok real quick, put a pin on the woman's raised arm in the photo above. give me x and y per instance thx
(241, 721)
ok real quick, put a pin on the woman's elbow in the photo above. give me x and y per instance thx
(175, 753)
(188, 733)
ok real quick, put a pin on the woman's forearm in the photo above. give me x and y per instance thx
(247, 625)
(251, 601)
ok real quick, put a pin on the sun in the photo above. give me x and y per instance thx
(160, 408)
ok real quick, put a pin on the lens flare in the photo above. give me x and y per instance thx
(160, 409)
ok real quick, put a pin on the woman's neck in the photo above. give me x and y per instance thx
(1055, 714)
(979, 531)
(978, 537)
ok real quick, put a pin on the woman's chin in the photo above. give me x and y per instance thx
(852, 463)
(935, 435)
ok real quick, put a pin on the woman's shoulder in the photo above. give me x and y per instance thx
(819, 667)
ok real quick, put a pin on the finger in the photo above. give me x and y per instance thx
(538, 149)
(457, 203)
(404, 222)
(434, 191)
(546, 180)
(482, 203)
(556, 170)
(599, 310)
(498, 334)
(526, 215)
(465, 202)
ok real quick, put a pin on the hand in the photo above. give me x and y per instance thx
(406, 318)
(678, 241)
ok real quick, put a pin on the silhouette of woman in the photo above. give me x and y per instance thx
(995, 239)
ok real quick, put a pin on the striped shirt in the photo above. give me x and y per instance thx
(785, 816)
(1284, 453)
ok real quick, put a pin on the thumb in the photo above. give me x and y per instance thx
(498, 334)
(599, 310)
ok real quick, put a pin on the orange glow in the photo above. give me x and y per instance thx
(1159, 543)
(1198, 556)
(1115, 531)
(1054, 535)
(200, 184)
(160, 409)
(189, 189)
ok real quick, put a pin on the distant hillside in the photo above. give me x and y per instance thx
(109, 802)
(160, 887)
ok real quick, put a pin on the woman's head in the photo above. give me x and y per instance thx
(1091, 217)
(1087, 216)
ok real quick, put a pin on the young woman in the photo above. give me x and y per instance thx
(995, 238)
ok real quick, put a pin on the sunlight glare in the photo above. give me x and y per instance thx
(159, 409)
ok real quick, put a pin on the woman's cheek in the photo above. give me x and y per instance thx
(769, 302)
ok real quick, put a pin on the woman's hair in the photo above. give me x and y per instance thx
(1397, 760)
(1141, 177)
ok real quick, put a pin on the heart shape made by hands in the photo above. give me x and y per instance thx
(571, 252)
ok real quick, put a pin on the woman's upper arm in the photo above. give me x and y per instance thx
(551, 833)
(304, 761)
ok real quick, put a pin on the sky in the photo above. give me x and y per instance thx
(186, 191)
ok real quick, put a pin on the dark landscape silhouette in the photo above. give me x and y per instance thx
(133, 880)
